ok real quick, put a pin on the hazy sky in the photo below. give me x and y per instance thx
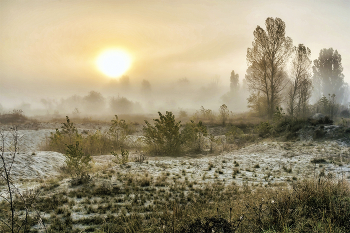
(49, 48)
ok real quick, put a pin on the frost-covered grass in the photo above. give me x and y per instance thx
(125, 202)
(263, 181)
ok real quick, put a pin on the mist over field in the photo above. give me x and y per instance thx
(125, 98)
(182, 53)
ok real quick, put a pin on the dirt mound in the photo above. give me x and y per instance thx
(43, 164)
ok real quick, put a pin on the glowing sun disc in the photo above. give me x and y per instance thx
(113, 63)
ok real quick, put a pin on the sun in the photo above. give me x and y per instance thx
(113, 62)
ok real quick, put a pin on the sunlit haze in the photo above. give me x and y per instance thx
(113, 62)
(171, 54)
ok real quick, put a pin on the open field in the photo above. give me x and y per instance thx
(156, 195)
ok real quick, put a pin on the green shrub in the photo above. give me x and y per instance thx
(62, 225)
(78, 163)
(290, 126)
(118, 131)
(264, 129)
(233, 133)
(164, 136)
(68, 134)
(192, 135)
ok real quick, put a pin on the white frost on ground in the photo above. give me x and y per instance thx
(41, 165)
(28, 140)
(272, 157)
(274, 160)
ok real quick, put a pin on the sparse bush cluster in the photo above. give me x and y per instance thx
(78, 148)
(92, 142)
(166, 137)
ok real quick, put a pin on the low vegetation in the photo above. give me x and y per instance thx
(14, 117)
(117, 199)
(114, 202)
(93, 142)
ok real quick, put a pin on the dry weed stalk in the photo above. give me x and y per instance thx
(12, 195)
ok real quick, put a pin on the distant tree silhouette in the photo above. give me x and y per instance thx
(237, 96)
(267, 60)
(328, 75)
(124, 81)
(146, 86)
(122, 105)
(234, 82)
(299, 90)
(94, 101)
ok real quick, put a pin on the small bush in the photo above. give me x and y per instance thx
(123, 159)
(234, 133)
(164, 136)
(193, 136)
(290, 127)
(264, 129)
(118, 131)
(78, 163)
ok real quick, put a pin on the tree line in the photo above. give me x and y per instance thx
(280, 73)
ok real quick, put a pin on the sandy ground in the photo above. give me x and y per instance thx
(274, 160)
(278, 162)
(267, 163)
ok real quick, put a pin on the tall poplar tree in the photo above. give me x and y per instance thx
(328, 78)
(267, 60)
